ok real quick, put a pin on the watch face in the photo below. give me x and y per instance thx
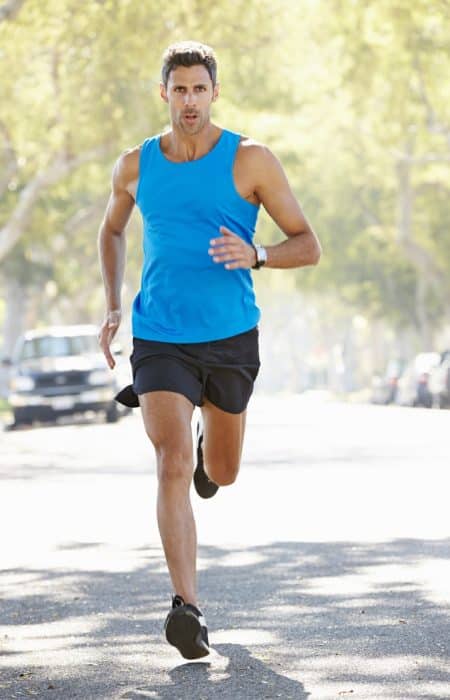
(262, 255)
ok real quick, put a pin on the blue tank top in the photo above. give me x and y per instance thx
(186, 297)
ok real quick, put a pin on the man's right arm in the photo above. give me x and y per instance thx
(112, 244)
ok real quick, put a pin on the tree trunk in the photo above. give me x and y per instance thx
(428, 274)
(426, 334)
(16, 303)
(13, 326)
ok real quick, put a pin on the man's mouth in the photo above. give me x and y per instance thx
(190, 118)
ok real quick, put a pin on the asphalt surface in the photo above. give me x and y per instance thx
(324, 572)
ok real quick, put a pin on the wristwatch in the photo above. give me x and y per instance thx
(261, 256)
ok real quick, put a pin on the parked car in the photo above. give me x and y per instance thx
(60, 371)
(439, 382)
(413, 389)
(384, 388)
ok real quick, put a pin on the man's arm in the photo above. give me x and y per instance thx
(272, 188)
(302, 246)
(112, 246)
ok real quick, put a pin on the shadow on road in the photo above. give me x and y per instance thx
(342, 613)
(245, 678)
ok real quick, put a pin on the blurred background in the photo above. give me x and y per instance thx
(354, 98)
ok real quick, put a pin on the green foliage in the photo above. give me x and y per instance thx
(337, 89)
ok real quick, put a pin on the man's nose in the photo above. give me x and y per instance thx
(189, 98)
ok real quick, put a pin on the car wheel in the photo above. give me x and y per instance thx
(112, 413)
(21, 418)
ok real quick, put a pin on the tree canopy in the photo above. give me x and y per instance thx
(353, 97)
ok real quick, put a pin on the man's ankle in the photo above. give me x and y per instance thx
(188, 599)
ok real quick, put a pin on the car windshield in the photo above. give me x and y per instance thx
(58, 346)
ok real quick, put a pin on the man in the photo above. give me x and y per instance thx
(195, 335)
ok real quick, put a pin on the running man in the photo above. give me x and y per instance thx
(195, 320)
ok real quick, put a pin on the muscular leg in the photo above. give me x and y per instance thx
(167, 419)
(222, 443)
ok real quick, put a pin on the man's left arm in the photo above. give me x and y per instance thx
(301, 246)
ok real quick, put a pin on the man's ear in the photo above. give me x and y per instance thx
(216, 91)
(163, 92)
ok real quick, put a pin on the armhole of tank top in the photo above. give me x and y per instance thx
(143, 164)
(237, 141)
(234, 151)
(236, 145)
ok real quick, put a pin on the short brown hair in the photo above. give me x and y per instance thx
(189, 53)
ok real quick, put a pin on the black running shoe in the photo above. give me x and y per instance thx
(203, 485)
(186, 629)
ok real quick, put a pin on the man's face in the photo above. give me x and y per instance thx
(189, 94)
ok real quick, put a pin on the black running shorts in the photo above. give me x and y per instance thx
(223, 371)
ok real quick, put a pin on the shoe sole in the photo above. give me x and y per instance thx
(183, 631)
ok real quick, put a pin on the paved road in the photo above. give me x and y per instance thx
(325, 569)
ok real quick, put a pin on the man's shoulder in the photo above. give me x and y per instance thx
(129, 158)
(253, 152)
(126, 168)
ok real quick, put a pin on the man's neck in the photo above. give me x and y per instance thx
(179, 146)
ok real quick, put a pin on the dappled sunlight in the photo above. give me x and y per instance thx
(361, 582)
(236, 558)
(434, 575)
(300, 617)
(248, 637)
(53, 639)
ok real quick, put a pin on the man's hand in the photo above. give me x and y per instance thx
(232, 250)
(107, 332)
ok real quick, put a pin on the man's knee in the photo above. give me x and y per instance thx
(223, 473)
(174, 464)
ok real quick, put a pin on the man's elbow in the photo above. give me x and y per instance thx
(314, 250)
(316, 254)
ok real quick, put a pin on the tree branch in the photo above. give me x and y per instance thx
(59, 167)
(10, 157)
(434, 125)
(429, 158)
(370, 216)
(10, 9)
(415, 253)
(434, 185)
(85, 215)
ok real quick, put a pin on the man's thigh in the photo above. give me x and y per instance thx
(223, 440)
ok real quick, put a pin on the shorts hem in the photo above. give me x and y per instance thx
(227, 410)
(171, 391)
